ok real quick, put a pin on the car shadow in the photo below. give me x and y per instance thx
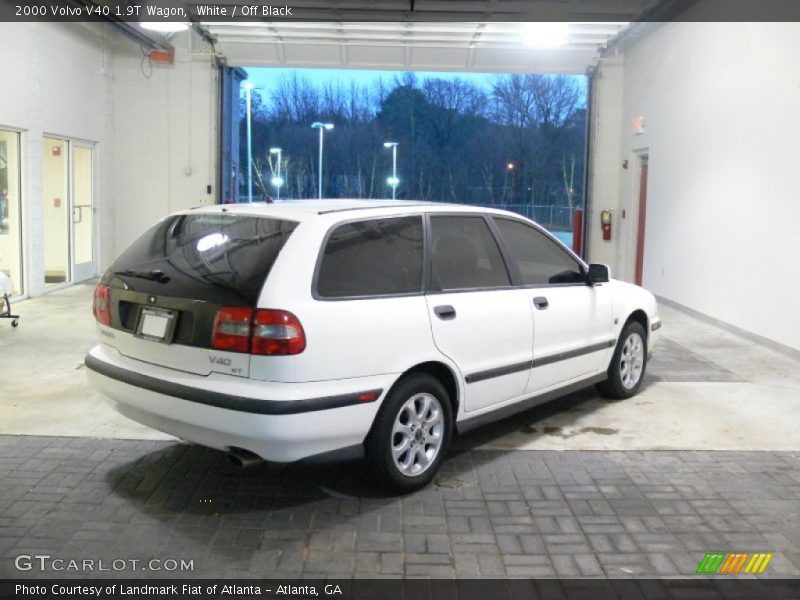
(196, 480)
(197, 496)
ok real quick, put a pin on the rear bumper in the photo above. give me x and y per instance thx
(281, 422)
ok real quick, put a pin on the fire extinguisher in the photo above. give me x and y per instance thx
(605, 224)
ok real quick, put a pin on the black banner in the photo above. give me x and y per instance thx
(408, 589)
(233, 11)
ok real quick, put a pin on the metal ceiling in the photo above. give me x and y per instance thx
(434, 35)
(407, 46)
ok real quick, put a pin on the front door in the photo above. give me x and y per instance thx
(572, 321)
(478, 320)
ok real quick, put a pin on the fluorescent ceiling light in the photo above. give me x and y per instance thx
(212, 240)
(164, 26)
(544, 35)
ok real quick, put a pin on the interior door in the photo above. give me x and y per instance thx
(477, 319)
(572, 321)
(82, 213)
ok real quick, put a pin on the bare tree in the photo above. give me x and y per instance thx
(569, 179)
(455, 137)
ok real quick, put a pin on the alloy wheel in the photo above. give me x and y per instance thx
(631, 362)
(417, 434)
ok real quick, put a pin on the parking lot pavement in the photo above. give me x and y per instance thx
(490, 513)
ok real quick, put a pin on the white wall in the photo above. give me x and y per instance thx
(165, 135)
(155, 139)
(722, 108)
(605, 137)
(56, 80)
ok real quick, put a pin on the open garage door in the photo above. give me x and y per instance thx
(475, 113)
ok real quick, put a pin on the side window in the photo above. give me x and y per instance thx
(372, 258)
(465, 254)
(539, 259)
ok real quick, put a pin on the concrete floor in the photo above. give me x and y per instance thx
(706, 389)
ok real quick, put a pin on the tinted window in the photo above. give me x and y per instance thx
(214, 257)
(465, 254)
(538, 259)
(372, 258)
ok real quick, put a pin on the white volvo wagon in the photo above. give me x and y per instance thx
(340, 329)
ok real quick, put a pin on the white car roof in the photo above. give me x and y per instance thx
(301, 210)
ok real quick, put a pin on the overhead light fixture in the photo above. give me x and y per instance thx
(164, 26)
(211, 240)
(544, 35)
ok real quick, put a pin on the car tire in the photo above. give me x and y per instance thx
(628, 365)
(411, 434)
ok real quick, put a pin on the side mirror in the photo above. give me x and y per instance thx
(597, 274)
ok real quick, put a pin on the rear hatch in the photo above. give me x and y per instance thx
(165, 290)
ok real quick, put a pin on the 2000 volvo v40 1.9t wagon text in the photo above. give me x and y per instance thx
(337, 329)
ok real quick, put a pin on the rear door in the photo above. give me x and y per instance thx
(572, 321)
(367, 316)
(478, 320)
(166, 288)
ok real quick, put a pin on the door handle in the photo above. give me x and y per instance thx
(541, 302)
(445, 312)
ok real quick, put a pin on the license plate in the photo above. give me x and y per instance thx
(156, 324)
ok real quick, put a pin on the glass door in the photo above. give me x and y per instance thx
(83, 262)
(56, 211)
(10, 221)
(68, 211)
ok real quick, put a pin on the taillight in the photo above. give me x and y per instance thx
(277, 333)
(101, 307)
(264, 331)
(232, 329)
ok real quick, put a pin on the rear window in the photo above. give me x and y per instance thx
(215, 257)
(374, 257)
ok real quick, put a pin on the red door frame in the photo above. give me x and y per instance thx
(642, 220)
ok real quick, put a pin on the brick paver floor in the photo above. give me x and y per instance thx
(490, 513)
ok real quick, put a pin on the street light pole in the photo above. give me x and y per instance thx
(248, 88)
(277, 181)
(322, 127)
(393, 181)
(321, 142)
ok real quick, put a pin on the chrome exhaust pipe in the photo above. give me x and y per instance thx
(239, 457)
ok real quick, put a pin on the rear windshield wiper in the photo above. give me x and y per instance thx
(154, 275)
